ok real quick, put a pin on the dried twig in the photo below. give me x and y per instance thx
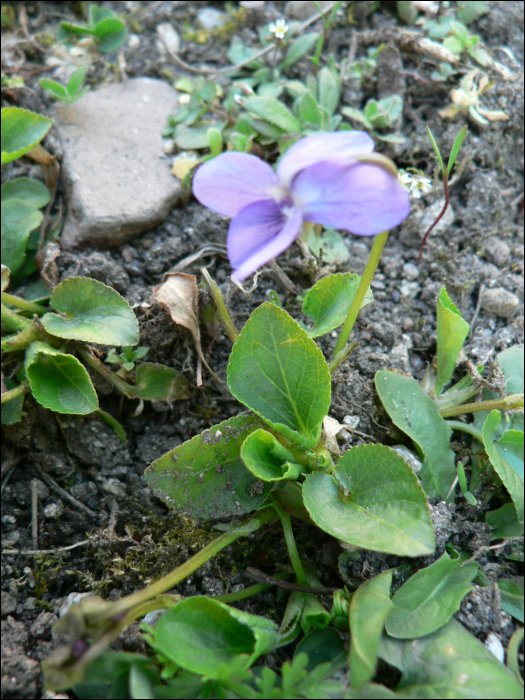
(261, 577)
(53, 484)
(32, 552)
(490, 547)
(34, 512)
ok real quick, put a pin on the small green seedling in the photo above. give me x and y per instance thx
(73, 90)
(462, 480)
(445, 172)
(127, 357)
(108, 32)
(463, 42)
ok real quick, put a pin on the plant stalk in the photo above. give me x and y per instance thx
(23, 304)
(13, 322)
(228, 325)
(338, 358)
(509, 403)
(364, 284)
(466, 428)
(180, 573)
(292, 547)
(15, 393)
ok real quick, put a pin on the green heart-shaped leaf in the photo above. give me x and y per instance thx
(328, 302)
(267, 459)
(21, 131)
(374, 502)
(208, 637)
(32, 192)
(205, 476)
(92, 312)
(281, 375)
(59, 381)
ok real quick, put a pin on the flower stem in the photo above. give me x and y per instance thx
(466, 428)
(23, 304)
(179, 574)
(364, 284)
(228, 325)
(509, 403)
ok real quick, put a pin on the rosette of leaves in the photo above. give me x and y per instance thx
(107, 30)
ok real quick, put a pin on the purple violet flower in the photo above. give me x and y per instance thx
(329, 179)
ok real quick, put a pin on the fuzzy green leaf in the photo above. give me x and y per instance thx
(429, 598)
(511, 479)
(452, 332)
(418, 416)
(374, 502)
(274, 112)
(278, 372)
(205, 476)
(22, 130)
(309, 112)
(328, 302)
(511, 362)
(91, 312)
(368, 609)
(59, 381)
(329, 90)
(299, 48)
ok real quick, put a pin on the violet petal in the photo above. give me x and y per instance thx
(361, 198)
(228, 183)
(258, 234)
(338, 146)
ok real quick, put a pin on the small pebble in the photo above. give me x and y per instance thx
(495, 646)
(497, 251)
(114, 488)
(72, 599)
(410, 271)
(209, 19)
(409, 290)
(133, 41)
(499, 302)
(8, 604)
(410, 458)
(169, 37)
(30, 603)
(53, 510)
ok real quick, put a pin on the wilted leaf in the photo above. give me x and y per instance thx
(179, 295)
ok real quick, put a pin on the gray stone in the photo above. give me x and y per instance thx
(252, 4)
(302, 9)
(209, 19)
(169, 37)
(409, 290)
(53, 510)
(497, 251)
(118, 186)
(41, 627)
(499, 302)
(410, 458)
(8, 604)
(420, 222)
(114, 488)
(410, 271)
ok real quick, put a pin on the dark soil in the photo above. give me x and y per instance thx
(133, 538)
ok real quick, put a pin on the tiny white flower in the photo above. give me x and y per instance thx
(279, 28)
(416, 183)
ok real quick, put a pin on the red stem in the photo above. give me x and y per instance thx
(447, 199)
